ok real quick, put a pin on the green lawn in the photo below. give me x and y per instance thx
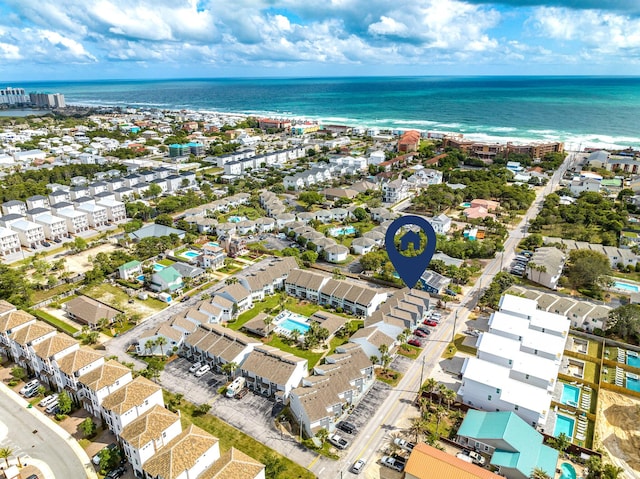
(591, 373)
(409, 351)
(57, 323)
(389, 376)
(311, 357)
(165, 262)
(456, 346)
(41, 295)
(230, 436)
(269, 303)
(116, 297)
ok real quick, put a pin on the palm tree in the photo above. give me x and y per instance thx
(430, 386)
(441, 392)
(385, 359)
(5, 453)
(161, 341)
(539, 473)
(231, 280)
(267, 322)
(440, 413)
(295, 334)
(322, 434)
(449, 396)
(418, 426)
(229, 368)
(562, 442)
(374, 359)
(149, 345)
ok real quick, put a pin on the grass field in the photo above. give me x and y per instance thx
(55, 322)
(116, 297)
(230, 436)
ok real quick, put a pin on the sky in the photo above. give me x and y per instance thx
(44, 40)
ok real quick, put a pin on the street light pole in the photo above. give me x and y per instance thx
(453, 332)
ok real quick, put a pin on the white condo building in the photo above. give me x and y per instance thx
(517, 362)
(9, 241)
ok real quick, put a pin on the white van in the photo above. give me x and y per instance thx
(203, 370)
(235, 387)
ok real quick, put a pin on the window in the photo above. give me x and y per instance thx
(516, 407)
(489, 397)
(498, 390)
(526, 376)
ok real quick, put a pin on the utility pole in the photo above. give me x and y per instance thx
(421, 374)
(453, 332)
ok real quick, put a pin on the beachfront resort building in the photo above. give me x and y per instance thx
(517, 361)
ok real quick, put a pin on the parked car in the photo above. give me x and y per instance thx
(415, 342)
(392, 463)
(111, 447)
(404, 444)
(425, 330)
(32, 392)
(53, 408)
(358, 466)
(476, 458)
(202, 370)
(34, 383)
(33, 476)
(242, 393)
(431, 322)
(116, 473)
(450, 292)
(185, 298)
(419, 333)
(48, 400)
(338, 441)
(195, 367)
(346, 427)
(46, 244)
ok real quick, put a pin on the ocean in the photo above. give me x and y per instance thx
(581, 111)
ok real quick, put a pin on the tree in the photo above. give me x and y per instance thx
(64, 402)
(153, 191)
(295, 334)
(149, 345)
(440, 413)
(449, 396)
(417, 428)
(267, 322)
(310, 198)
(273, 466)
(79, 244)
(6, 453)
(562, 442)
(231, 280)
(88, 427)
(18, 373)
(229, 368)
(588, 269)
(164, 219)
(161, 341)
(309, 256)
(624, 322)
(374, 359)
(322, 434)
(539, 473)
(360, 214)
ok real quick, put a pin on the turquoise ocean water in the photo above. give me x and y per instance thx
(582, 111)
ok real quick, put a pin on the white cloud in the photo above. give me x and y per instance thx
(388, 26)
(9, 52)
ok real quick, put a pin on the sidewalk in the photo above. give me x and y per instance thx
(59, 431)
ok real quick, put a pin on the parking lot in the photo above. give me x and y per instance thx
(177, 379)
(367, 407)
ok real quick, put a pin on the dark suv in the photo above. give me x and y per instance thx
(346, 427)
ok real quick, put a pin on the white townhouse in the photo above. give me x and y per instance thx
(59, 196)
(147, 342)
(212, 256)
(336, 253)
(96, 214)
(517, 362)
(14, 207)
(441, 224)
(11, 320)
(362, 245)
(31, 234)
(9, 241)
(98, 383)
(37, 201)
(77, 221)
(269, 278)
(116, 211)
(55, 227)
(143, 437)
(395, 191)
(130, 401)
(47, 352)
(24, 339)
(72, 366)
(98, 187)
(272, 372)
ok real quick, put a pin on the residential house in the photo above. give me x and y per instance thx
(100, 382)
(9, 241)
(272, 372)
(234, 464)
(14, 207)
(97, 214)
(441, 224)
(167, 279)
(268, 279)
(426, 462)
(143, 437)
(31, 234)
(187, 456)
(89, 311)
(77, 221)
(215, 345)
(130, 271)
(238, 295)
(545, 266)
(148, 344)
(336, 253)
(47, 352)
(129, 402)
(70, 367)
(395, 191)
(363, 245)
(342, 381)
(517, 362)
(155, 230)
(433, 282)
(22, 341)
(212, 256)
(370, 339)
(115, 209)
(516, 448)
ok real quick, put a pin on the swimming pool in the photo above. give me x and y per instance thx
(570, 395)
(568, 471)
(633, 359)
(347, 230)
(632, 288)
(466, 204)
(140, 278)
(289, 321)
(633, 382)
(212, 243)
(564, 425)
(190, 254)
(236, 219)
(158, 267)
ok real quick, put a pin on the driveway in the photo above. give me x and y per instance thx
(177, 379)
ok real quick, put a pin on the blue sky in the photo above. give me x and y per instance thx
(80, 39)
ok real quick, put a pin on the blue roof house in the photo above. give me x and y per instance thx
(167, 279)
(515, 446)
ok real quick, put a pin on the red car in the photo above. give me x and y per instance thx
(415, 342)
(419, 333)
(430, 322)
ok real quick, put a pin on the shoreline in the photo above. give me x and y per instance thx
(488, 135)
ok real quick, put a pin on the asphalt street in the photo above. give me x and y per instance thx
(30, 439)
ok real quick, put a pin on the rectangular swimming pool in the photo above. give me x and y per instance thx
(190, 254)
(633, 382)
(291, 324)
(632, 288)
(158, 267)
(564, 425)
(633, 359)
(570, 395)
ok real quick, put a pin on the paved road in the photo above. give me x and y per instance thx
(375, 436)
(29, 438)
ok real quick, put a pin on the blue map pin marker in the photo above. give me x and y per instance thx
(410, 268)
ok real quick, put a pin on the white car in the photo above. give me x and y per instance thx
(48, 400)
(195, 367)
(34, 383)
(358, 466)
(203, 370)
